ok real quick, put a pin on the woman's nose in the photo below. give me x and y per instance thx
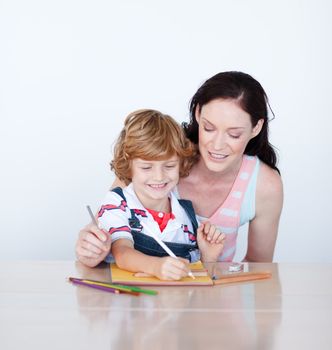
(219, 141)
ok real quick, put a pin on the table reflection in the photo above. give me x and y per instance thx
(244, 315)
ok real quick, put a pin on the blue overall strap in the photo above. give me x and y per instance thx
(189, 209)
(148, 245)
(119, 191)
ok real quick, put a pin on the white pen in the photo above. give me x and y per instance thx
(163, 245)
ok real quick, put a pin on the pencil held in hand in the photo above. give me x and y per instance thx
(92, 216)
(163, 245)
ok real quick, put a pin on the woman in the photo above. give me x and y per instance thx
(235, 180)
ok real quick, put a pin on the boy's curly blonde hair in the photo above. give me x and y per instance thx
(151, 135)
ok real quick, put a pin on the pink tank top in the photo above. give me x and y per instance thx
(227, 216)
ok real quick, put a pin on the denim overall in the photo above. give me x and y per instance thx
(148, 245)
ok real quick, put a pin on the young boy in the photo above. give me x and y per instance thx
(149, 156)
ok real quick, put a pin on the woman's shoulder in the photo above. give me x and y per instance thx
(269, 183)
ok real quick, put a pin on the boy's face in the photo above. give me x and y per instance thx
(154, 179)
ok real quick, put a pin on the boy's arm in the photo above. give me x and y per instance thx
(128, 258)
(93, 245)
(166, 268)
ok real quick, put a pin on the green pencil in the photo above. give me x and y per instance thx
(137, 289)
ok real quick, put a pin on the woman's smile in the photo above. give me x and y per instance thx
(217, 156)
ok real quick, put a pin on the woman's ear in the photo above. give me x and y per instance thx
(197, 113)
(257, 128)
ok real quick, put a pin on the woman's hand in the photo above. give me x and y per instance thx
(210, 242)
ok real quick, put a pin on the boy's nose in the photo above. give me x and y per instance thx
(158, 174)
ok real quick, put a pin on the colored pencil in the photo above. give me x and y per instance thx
(107, 285)
(163, 245)
(92, 216)
(102, 286)
(137, 289)
(95, 286)
(119, 287)
(242, 277)
(96, 224)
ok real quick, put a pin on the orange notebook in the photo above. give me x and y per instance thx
(131, 278)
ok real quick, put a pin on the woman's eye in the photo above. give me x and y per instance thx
(207, 129)
(234, 136)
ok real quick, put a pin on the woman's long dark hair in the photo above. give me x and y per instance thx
(252, 99)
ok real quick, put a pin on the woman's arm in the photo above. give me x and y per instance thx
(263, 229)
(93, 244)
(118, 183)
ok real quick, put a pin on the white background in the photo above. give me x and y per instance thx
(71, 70)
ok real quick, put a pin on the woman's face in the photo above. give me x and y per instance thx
(224, 132)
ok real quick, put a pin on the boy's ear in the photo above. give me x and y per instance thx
(257, 128)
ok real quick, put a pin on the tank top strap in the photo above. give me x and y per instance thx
(227, 216)
(236, 195)
(232, 205)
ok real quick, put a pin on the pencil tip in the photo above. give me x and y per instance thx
(191, 275)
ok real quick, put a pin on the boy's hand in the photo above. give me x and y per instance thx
(210, 242)
(168, 268)
(93, 245)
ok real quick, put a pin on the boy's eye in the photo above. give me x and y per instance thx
(145, 167)
(170, 166)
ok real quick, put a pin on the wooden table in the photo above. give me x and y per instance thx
(40, 309)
